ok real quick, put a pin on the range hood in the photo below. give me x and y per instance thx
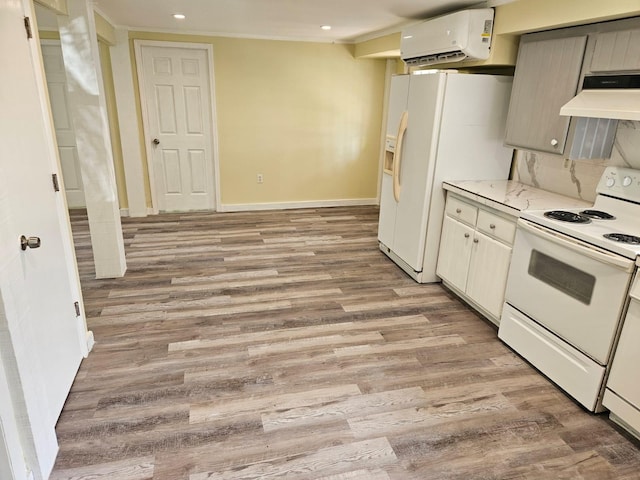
(606, 96)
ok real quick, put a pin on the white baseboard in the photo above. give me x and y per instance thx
(90, 341)
(247, 207)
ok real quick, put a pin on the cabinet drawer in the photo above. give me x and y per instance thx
(461, 211)
(496, 226)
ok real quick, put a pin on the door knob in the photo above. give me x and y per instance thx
(156, 141)
(31, 242)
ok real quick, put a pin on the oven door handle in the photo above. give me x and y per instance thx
(576, 245)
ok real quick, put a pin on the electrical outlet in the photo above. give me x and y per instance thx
(260, 178)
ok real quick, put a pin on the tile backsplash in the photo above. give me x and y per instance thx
(577, 178)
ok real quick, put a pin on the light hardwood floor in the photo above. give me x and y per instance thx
(285, 345)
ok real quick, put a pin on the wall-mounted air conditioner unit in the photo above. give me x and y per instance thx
(454, 37)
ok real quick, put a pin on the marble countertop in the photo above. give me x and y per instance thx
(511, 197)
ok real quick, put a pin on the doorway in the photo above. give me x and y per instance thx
(65, 134)
(177, 96)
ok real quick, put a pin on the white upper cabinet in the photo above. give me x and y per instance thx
(547, 76)
(549, 72)
(616, 51)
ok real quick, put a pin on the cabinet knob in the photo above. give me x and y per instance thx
(458, 210)
(492, 226)
(466, 235)
(475, 240)
(554, 142)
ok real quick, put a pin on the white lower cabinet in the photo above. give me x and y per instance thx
(488, 271)
(475, 252)
(455, 252)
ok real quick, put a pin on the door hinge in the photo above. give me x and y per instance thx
(56, 185)
(76, 305)
(27, 27)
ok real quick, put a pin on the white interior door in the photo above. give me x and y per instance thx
(177, 98)
(65, 134)
(38, 324)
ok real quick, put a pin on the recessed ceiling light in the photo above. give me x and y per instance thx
(179, 16)
(326, 27)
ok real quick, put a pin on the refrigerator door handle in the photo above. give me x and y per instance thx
(402, 128)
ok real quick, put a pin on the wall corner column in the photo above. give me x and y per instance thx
(88, 109)
(129, 128)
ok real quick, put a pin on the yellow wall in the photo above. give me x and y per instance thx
(525, 16)
(48, 35)
(305, 115)
(59, 6)
(104, 30)
(387, 46)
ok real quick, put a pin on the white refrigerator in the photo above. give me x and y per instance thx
(440, 126)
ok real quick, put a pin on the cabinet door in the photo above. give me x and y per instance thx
(398, 97)
(388, 210)
(424, 106)
(488, 271)
(627, 358)
(547, 75)
(616, 51)
(455, 252)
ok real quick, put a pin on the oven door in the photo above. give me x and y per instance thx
(573, 289)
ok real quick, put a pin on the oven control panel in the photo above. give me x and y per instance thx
(620, 182)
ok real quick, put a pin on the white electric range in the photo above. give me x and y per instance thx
(568, 286)
(612, 223)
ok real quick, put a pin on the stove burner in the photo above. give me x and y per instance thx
(565, 216)
(622, 238)
(597, 214)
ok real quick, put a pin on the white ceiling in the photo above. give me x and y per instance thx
(350, 20)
